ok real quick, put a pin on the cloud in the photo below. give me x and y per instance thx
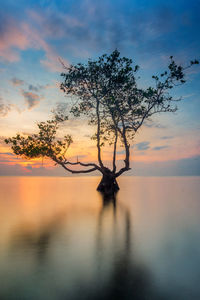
(160, 148)
(16, 36)
(6, 153)
(142, 146)
(8, 157)
(92, 25)
(121, 152)
(51, 59)
(4, 108)
(55, 23)
(182, 167)
(31, 99)
(37, 41)
(88, 26)
(34, 88)
(12, 39)
(166, 137)
(154, 125)
(37, 88)
(16, 81)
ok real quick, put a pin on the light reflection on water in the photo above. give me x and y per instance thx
(59, 239)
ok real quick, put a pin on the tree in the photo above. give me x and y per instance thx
(106, 93)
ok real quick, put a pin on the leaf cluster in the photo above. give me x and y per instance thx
(42, 144)
(110, 83)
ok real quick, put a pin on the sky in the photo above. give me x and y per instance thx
(36, 35)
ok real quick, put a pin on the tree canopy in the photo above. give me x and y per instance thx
(106, 92)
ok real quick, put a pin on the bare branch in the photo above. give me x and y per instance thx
(114, 151)
(73, 171)
(98, 134)
(83, 165)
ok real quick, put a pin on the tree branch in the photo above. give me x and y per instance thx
(126, 160)
(114, 151)
(98, 134)
(63, 164)
(83, 165)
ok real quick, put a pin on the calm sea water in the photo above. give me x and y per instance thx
(60, 240)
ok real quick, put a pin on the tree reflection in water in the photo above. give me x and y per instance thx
(129, 279)
(37, 238)
(118, 274)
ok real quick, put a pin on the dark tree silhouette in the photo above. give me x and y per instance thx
(107, 94)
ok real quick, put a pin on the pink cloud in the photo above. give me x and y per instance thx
(11, 40)
(51, 60)
(18, 37)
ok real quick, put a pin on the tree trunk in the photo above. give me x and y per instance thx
(108, 185)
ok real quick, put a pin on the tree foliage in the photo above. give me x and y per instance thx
(42, 144)
(107, 94)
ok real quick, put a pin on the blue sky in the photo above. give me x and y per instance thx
(35, 34)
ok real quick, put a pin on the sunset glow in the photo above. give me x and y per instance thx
(35, 38)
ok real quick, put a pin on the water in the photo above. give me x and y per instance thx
(60, 240)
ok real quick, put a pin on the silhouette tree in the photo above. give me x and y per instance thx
(106, 93)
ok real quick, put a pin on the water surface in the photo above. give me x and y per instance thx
(60, 240)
